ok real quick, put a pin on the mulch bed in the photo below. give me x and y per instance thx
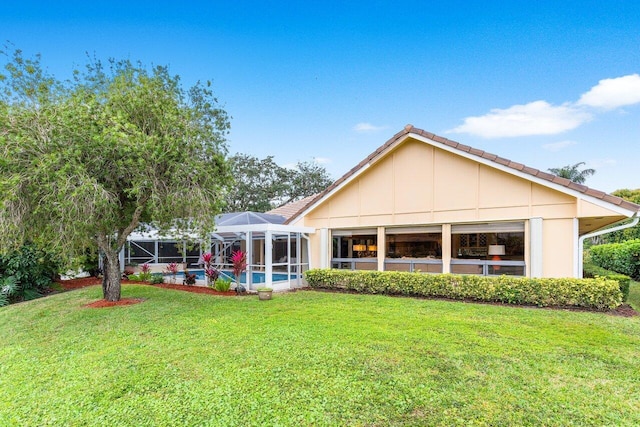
(72, 284)
(197, 289)
(123, 301)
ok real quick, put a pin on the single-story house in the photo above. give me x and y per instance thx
(421, 202)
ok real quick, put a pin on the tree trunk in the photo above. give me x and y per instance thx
(111, 279)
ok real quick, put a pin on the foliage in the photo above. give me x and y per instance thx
(134, 277)
(145, 272)
(591, 270)
(239, 261)
(623, 258)
(189, 279)
(172, 268)
(156, 278)
(8, 289)
(94, 157)
(632, 233)
(573, 172)
(222, 285)
(33, 269)
(261, 184)
(598, 294)
(326, 359)
(210, 272)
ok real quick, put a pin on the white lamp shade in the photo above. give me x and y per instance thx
(496, 250)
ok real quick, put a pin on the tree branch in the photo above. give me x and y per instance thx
(135, 220)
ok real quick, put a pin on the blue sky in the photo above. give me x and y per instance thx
(544, 83)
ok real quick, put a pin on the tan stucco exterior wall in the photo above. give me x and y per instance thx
(419, 184)
(558, 248)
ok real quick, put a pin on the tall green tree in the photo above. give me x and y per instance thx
(84, 162)
(573, 172)
(261, 184)
(257, 183)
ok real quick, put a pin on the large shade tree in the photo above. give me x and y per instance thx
(84, 162)
(261, 184)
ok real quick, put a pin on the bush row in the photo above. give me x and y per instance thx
(590, 270)
(622, 257)
(598, 293)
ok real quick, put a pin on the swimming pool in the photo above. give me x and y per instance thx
(256, 276)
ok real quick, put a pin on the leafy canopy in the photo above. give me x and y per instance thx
(261, 184)
(85, 161)
(628, 233)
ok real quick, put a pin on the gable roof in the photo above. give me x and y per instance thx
(544, 178)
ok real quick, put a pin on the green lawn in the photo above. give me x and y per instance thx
(634, 295)
(312, 358)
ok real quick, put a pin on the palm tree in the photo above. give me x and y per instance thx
(573, 173)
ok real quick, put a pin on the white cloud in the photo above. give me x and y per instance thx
(613, 93)
(322, 160)
(557, 146)
(534, 118)
(367, 127)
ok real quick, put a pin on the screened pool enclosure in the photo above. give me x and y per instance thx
(277, 254)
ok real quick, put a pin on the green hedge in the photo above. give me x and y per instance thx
(591, 270)
(623, 258)
(599, 293)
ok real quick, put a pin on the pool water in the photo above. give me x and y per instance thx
(256, 276)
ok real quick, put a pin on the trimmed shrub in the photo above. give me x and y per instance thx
(591, 270)
(157, 278)
(597, 293)
(623, 258)
(222, 285)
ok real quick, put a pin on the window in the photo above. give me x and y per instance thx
(414, 249)
(488, 249)
(355, 249)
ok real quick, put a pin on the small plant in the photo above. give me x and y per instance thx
(157, 278)
(239, 261)
(134, 277)
(145, 273)
(212, 275)
(210, 272)
(222, 285)
(172, 269)
(189, 279)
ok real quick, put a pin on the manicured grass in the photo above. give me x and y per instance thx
(634, 295)
(312, 358)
